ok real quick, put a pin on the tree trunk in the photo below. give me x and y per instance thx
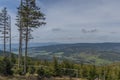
(20, 41)
(4, 32)
(26, 50)
(10, 39)
(20, 48)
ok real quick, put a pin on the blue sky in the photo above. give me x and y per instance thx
(73, 21)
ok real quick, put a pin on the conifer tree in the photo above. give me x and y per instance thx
(20, 28)
(30, 17)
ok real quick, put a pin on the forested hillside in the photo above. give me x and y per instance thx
(64, 70)
(98, 53)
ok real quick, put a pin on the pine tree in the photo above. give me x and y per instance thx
(30, 17)
(20, 28)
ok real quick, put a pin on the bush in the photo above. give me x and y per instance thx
(6, 67)
(31, 70)
(18, 71)
(41, 72)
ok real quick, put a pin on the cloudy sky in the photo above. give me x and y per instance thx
(73, 21)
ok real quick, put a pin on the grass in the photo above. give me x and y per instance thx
(69, 79)
(24, 78)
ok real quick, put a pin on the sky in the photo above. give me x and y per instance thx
(73, 21)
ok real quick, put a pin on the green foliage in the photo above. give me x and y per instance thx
(41, 72)
(56, 66)
(18, 71)
(64, 68)
(31, 70)
(13, 59)
(6, 67)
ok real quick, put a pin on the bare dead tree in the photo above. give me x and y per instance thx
(5, 29)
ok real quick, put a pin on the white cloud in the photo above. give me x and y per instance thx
(74, 15)
(66, 18)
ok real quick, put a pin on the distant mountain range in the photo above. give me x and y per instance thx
(93, 53)
(16, 45)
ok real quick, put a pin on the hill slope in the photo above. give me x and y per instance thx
(99, 53)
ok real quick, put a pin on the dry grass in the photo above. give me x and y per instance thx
(67, 78)
(11, 78)
(24, 78)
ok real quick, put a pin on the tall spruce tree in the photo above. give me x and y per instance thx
(19, 24)
(29, 17)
